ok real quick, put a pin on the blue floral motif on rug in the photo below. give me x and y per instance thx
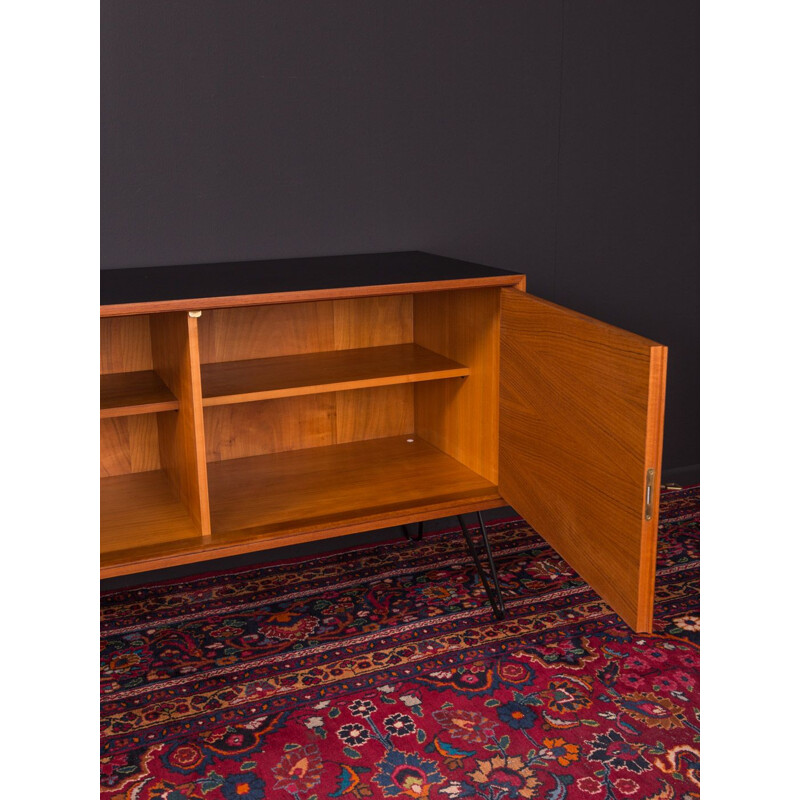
(381, 672)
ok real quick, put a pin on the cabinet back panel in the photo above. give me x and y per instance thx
(125, 344)
(374, 413)
(295, 423)
(129, 444)
(269, 426)
(235, 334)
(460, 416)
(373, 321)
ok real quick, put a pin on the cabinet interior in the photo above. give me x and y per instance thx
(257, 426)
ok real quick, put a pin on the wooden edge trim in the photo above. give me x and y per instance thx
(653, 453)
(233, 301)
(144, 408)
(338, 386)
(198, 427)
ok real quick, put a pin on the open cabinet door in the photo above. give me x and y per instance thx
(581, 420)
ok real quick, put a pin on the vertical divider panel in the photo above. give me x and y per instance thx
(176, 359)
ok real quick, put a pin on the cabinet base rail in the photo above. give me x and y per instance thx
(490, 581)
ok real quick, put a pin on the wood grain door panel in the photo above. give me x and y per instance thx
(581, 419)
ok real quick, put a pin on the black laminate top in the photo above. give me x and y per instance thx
(226, 279)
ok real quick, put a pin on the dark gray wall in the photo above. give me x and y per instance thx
(627, 238)
(555, 138)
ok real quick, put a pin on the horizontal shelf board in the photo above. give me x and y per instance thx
(327, 484)
(311, 373)
(141, 509)
(126, 393)
(286, 498)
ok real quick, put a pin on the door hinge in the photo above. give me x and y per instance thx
(648, 494)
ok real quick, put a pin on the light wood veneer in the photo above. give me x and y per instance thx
(279, 499)
(125, 393)
(578, 422)
(312, 373)
(242, 421)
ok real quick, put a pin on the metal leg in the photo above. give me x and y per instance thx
(492, 591)
(413, 537)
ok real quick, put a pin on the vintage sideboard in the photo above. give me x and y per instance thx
(251, 405)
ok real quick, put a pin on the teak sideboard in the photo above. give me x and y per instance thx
(252, 405)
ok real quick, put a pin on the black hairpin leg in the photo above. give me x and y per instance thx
(493, 591)
(413, 537)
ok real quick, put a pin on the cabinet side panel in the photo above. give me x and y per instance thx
(125, 344)
(181, 435)
(236, 334)
(460, 416)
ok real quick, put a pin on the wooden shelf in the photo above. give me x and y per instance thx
(330, 371)
(141, 508)
(126, 393)
(286, 498)
(326, 484)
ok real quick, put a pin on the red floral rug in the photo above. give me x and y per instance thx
(381, 672)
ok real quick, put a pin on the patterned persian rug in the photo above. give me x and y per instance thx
(381, 672)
